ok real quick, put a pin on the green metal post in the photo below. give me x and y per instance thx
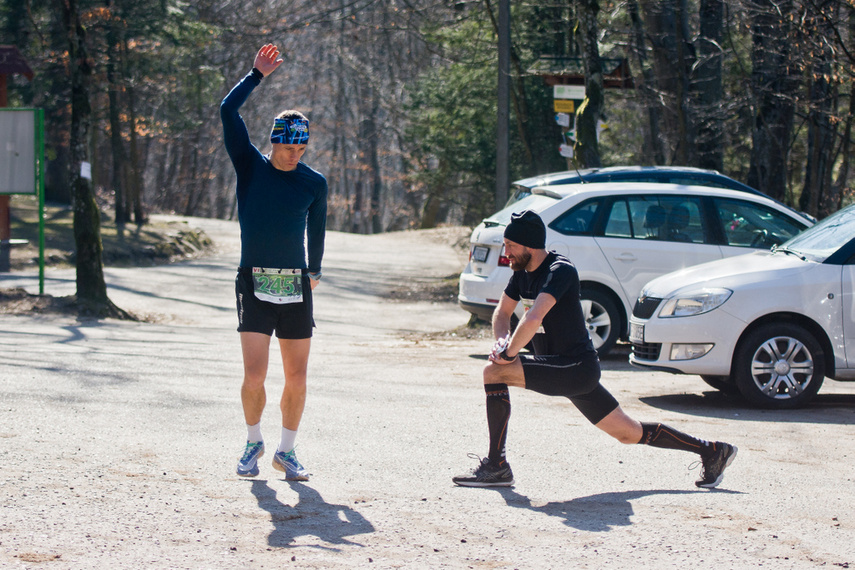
(40, 188)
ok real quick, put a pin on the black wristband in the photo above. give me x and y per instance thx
(257, 74)
(504, 356)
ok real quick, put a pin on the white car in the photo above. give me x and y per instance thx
(770, 325)
(620, 235)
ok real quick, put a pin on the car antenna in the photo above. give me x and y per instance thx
(576, 168)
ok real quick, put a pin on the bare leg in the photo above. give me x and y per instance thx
(511, 374)
(255, 348)
(295, 360)
(621, 427)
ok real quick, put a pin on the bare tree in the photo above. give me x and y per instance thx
(91, 287)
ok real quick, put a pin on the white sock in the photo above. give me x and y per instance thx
(286, 444)
(253, 433)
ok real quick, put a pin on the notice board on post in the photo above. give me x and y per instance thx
(22, 151)
(18, 151)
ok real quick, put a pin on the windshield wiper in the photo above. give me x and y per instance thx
(776, 249)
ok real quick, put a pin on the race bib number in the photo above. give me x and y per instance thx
(528, 304)
(278, 286)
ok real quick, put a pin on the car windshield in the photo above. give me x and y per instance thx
(829, 235)
(534, 202)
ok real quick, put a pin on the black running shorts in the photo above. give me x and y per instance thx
(575, 378)
(289, 321)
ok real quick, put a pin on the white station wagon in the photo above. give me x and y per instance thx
(620, 235)
(770, 325)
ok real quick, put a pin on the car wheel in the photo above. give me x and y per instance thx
(601, 318)
(721, 383)
(779, 366)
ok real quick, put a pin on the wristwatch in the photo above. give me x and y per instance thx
(316, 276)
(504, 356)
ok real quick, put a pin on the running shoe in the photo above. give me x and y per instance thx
(487, 474)
(288, 463)
(248, 464)
(715, 463)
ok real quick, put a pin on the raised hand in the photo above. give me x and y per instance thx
(267, 59)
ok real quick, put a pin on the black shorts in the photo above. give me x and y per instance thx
(289, 321)
(575, 378)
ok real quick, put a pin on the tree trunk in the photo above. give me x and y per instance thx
(587, 149)
(687, 129)
(821, 130)
(774, 84)
(846, 144)
(135, 188)
(673, 57)
(708, 86)
(368, 136)
(652, 152)
(117, 149)
(91, 287)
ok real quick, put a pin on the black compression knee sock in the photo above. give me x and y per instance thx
(498, 413)
(659, 435)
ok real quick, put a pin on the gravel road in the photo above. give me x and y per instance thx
(119, 440)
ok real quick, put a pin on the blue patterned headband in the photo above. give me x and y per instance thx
(290, 131)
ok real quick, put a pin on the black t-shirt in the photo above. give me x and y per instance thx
(563, 330)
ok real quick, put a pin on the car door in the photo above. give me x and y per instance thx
(645, 236)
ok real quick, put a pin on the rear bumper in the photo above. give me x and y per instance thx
(480, 310)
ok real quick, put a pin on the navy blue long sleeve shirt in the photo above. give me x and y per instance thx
(282, 214)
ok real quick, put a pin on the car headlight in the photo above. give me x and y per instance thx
(697, 303)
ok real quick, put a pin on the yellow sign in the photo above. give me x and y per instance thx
(564, 105)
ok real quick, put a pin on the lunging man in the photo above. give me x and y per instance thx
(563, 363)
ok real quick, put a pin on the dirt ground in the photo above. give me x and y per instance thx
(119, 439)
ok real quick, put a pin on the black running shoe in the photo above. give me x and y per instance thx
(487, 474)
(715, 463)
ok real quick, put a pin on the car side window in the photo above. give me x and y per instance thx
(666, 218)
(746, 224)
(578, 220)
(619, 224)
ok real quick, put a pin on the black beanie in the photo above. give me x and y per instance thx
(527, 229)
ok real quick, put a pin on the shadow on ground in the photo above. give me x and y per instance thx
(310, 516)
(596, 513)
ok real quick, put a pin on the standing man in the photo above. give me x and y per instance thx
(282, 205)
(564, 362)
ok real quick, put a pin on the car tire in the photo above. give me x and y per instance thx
(601, 318)
(779, 366)
(721, 383)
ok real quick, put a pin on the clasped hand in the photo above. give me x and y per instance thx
(499, 347)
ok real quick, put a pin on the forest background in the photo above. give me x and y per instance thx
(402, 96)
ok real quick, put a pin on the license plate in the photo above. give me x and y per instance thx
(479, 253)
(636, 333)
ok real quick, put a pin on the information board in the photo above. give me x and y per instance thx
(17, 151)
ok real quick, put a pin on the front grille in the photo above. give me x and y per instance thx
(645, 307)
(647, 350)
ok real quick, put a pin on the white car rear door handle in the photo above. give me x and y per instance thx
(626, 257)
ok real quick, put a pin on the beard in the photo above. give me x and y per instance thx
(521, 262)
